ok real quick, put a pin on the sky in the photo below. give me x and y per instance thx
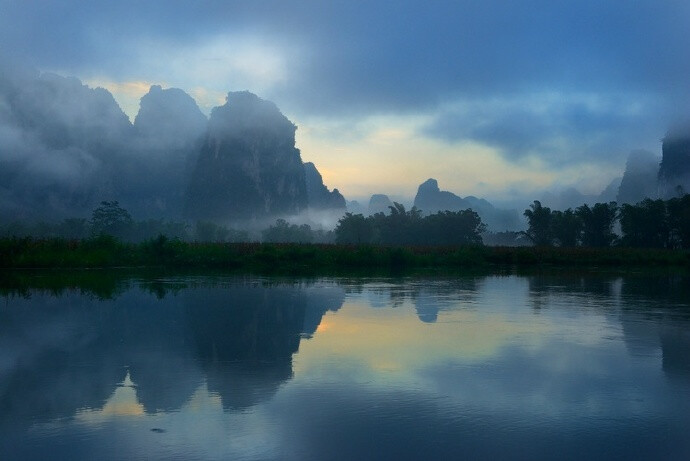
(499, 99)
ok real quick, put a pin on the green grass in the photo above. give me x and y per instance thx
(107, 252)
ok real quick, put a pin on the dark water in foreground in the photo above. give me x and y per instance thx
(477, 367)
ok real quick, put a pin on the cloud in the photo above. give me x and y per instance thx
(371, 57)
(557, 83)
(560, 128)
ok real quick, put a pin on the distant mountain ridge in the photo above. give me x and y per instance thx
(431, 199)
(318, 195)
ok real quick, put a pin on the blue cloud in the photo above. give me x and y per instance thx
(363, 58)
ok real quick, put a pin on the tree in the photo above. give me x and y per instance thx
(284, 232)
(566, 227)
(539, 224)
(454, 228)
(645, 224)
(111, 219)
(679, 221)
(400, 227)
(597, 224)
(73, 228)
(353, 228)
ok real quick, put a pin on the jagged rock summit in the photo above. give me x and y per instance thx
(379, 203)
(66, 147)
(169, 118)
(320, 198)
(431, 199)
(248, 166)
(640, 178)
(674, 172)
(168, 132)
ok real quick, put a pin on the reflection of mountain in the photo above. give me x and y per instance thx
(63, 354)
(245, 342)
(653, 328)
(52, 361)
(657, 320)
(429, 297)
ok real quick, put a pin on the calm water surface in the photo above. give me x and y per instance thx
(476, 367)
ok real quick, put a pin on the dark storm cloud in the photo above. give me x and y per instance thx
(560, 128)
(389, 54)
(354, 59)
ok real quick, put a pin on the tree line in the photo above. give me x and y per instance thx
(110, 219)
(647, 224)
(402, 227)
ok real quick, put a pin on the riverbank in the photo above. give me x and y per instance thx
(107, 252)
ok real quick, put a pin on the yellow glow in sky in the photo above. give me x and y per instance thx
(391, 155)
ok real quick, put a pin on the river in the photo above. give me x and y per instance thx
(498, 366)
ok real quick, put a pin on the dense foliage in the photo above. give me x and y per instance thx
(106, 251)
(402, 227)
(648, 224)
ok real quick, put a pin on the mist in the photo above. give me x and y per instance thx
(65, 148)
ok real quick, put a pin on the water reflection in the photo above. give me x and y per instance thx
(653, 311)
(64, 352)
(499, 366)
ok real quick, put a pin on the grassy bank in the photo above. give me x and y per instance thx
(105, 252)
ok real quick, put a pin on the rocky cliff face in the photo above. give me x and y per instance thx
(169, 119)
(674, 173)
(319, 197)
(379, 203)
(430, 199)
(169, 129)
(248, 166)
(640, 178)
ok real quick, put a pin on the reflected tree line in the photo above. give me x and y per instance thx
(658, 318)
(647, 224)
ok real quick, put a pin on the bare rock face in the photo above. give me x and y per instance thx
(430, 199)
(248, 166)
(640, 178)
(379, 203)
(169, 119)
(320, 198)
(674, 173)
(169, 130)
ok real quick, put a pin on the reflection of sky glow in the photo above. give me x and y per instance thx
(123, 402)
(394, 340)
(537, 364)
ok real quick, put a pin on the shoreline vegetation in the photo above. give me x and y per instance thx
(108, 252)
